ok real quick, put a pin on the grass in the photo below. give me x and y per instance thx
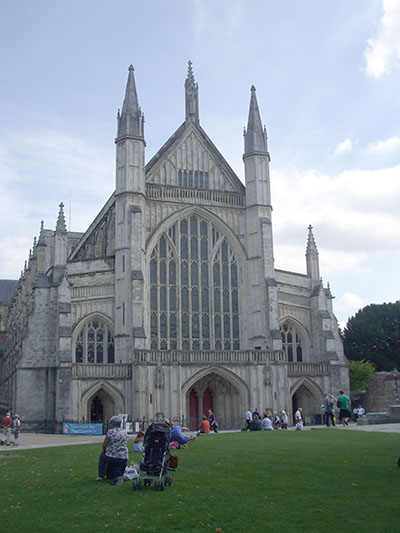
(322, 480)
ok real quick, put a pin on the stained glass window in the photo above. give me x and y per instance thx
(194, 295)
(94, 343)
(291, 342)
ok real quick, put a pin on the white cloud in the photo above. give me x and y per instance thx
(386, 146)
(38, 171)
(353, 214)
(382, 54)
(349, 303)
(343, 147)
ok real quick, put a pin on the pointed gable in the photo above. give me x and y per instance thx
(189, 163)
(99, 240)
(190, 159)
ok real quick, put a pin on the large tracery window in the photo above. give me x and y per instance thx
(194, 295)
(95, 343)
(291, 342)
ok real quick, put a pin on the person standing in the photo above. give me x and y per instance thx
(213, 422)
(328, 411)
(299, 418)
(7, 424)
(17, 429)
(343, 402)
(284, 419)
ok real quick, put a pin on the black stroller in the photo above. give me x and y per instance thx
(155, 460)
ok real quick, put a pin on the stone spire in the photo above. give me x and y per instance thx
(255, 138)
(191, 97)
(312, 258)
(131, 119)
(41, 232)
(61, 226)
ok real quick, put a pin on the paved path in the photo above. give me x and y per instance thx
(43, 440)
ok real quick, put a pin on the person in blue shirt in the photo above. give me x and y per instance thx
(177, 434)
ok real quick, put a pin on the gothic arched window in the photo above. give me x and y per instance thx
(291, 342)
(94, 343)
(194, 289)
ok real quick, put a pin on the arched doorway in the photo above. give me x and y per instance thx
(305, 398)
(100, 407)
(193, 410)
(216, 392)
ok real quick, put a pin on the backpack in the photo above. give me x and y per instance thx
(339, 403)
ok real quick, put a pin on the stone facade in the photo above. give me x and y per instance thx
(170, 302)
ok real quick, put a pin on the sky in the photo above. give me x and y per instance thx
(327, 76)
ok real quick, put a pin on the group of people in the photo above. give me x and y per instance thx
(268, 421)
(342, 403)
(11, 425)
(358, 412)
(208, 424)
(114, 457)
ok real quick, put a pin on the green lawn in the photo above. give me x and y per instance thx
(320, 480)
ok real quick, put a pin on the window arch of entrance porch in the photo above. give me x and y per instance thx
(314, 388)
(114, 394)
(232, 378)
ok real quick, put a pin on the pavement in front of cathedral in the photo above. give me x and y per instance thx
(44, 440)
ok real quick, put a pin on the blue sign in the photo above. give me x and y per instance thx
(70, 428)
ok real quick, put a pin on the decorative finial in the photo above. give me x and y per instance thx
(253, 89)
(190, 69)
(191, 97)
(61, 226)
(131, 69)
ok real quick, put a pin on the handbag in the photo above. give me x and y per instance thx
(173, 462)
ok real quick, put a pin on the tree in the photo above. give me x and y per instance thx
(360, 372)
(373, 334)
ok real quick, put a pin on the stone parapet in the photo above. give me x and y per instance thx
(207, 357)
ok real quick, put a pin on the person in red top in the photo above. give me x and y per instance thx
(204, 426)
(7, 424)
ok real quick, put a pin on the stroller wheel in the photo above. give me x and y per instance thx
(168, 480)
(137, 485)
(148, 481)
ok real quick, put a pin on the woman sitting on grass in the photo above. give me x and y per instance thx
(204, 427)
(138, 443)
(177, 434)
(112, 461)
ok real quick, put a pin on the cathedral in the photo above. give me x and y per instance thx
(170, 302)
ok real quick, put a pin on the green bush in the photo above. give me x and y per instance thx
(360, 374)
